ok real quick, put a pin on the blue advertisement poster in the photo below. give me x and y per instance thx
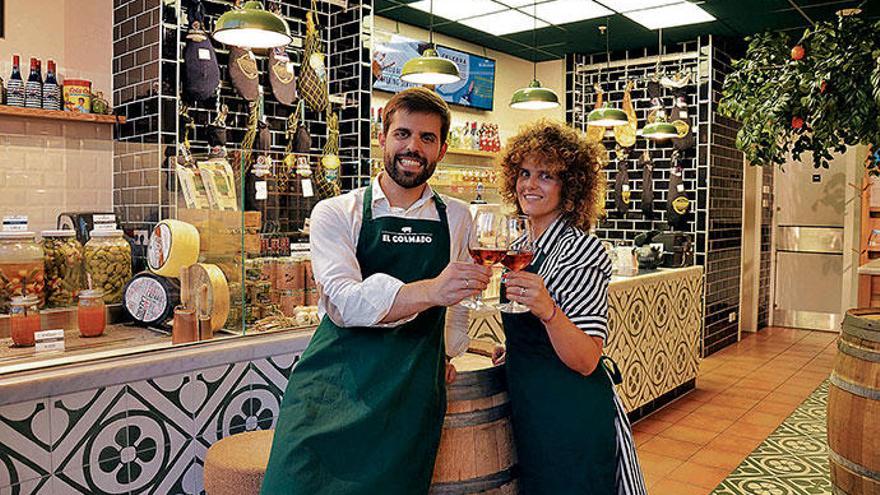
(475, 89)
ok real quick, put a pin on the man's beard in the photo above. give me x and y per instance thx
(409, 180)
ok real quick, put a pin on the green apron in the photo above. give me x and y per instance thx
(563, 422)
(364, 407)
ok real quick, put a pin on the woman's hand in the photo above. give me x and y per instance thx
(450, 372)
(499, 355)
(528, 289)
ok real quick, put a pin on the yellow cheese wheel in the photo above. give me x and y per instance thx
(217, 304)
(173, 245)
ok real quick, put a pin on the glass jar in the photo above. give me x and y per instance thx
(91, 314)
(21, 267)
(63, 263)
(24, 319)
(108, 261)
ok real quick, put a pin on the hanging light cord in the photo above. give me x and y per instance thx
(431, 24)
(659, 50)
(534, 40)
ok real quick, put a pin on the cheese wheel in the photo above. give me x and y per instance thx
(173, 245)
(218, 291)
(149, 299)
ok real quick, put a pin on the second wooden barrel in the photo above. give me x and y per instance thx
(476, 452)
(854, 405)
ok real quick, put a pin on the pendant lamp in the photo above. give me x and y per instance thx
(607, 116)
(252, 26)
(534, 96)
(660, 128)
(430, 68)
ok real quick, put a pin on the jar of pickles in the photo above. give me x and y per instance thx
(21, 267)
(24, 320)
(63, 264)
(107, 258)
(91, 314)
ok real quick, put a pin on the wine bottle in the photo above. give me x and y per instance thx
(33, 88)
(15, 85)
(51, 91)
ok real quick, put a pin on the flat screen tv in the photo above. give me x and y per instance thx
(476, 88)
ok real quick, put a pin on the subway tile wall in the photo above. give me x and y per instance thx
(765, 278)
(50, 167)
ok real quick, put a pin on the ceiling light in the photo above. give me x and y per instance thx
(566, 11)
(607, 116)
(252, 26)
(659, 130)
(534, 97)
(459, 9)
(429, 68)
(509, 21)
(630, 5)
(679, 14)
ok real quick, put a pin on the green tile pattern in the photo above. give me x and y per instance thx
(793, 460)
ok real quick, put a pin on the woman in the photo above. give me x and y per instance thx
(572, 434)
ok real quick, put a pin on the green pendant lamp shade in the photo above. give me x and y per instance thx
(252, 26)
(534, 97)
(430, 68)
(607, 116)
(659, 130)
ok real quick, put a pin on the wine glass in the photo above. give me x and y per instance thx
(486, 245)
(520, 250)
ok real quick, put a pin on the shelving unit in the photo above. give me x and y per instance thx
(38, 113)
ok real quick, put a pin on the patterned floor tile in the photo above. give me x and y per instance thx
(39, 486)
(25, 442)
(793, 460)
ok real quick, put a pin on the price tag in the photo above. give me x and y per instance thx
(680, 188)
(15, 223)
(625, 188)
(308, 192)
(299, 246)
(262, 191)
(104, 222)
(49, 341)
(204, 54)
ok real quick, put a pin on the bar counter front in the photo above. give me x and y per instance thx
(141, 418)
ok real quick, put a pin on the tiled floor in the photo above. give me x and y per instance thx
(743, 393)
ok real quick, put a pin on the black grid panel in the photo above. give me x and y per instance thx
(712, 170)
(152, 106)
(765, 278)
(725, 219)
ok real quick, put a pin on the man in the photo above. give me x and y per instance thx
(364, 407)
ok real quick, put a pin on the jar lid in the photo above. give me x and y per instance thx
(58, 233)
(17, 235)
(105, 233)
(91, 293)
(27, 300)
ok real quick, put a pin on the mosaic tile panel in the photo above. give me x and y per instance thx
(793, 460)
(25, 442)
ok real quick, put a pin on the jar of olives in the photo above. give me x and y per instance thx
(108, 261)
(64, 271)
(21, 267)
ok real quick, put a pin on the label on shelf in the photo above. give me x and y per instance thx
(49, 341)
(307, 190)
(15, 223)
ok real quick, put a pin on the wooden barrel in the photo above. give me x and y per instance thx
(476, 452)
(236, 465)
(854, 405)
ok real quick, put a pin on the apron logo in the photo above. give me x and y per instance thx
(406, 236)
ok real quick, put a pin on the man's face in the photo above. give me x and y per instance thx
(412, 147)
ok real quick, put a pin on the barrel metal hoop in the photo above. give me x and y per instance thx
(473, 418)
(475, 485)
(851, 466)
(867, 393)
(861, 328)
(858, 352)
(470, 389)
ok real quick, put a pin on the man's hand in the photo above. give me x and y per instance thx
(458, 281)
(450, 372)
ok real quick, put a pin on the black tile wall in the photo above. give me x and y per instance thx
(141, 27)
(765, 277)
(712, 170)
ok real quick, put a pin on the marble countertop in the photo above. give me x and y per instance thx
(870, 268)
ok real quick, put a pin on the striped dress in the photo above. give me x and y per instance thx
(576, 272)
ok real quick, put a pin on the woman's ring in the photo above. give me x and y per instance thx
(522, 291)
(467, 284)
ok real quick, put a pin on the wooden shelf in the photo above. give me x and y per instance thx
(459, 152)
(38, 113)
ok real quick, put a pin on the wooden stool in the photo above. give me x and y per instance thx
(236, 465)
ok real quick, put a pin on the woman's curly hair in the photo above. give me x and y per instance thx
(568, 155)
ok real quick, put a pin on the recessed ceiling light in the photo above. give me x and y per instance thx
(509, 21)
(459, 9)
(565, 11)
(679, 14)
(519, 3)
(630, 5)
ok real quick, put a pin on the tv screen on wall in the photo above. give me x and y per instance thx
(475, 89)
